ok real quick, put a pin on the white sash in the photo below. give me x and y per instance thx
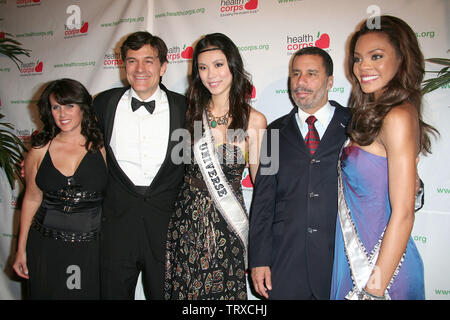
(219, 188)
(361, 263)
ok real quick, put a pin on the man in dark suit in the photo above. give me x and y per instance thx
(293, 217)
(143, 181)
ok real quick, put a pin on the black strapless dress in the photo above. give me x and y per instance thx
(63, 241)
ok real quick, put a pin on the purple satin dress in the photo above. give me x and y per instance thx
(366, 190)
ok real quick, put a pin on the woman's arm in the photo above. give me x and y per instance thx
(400, 137)
(103, 152)
(31, 202)
(256, 127)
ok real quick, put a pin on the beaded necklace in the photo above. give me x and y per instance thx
(215, 121)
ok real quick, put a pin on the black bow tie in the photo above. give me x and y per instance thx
(136, 104)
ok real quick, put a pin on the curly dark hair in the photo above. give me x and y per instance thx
(67, 91)
(198, 95)
(368, 112)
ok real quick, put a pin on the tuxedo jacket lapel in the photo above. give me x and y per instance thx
(177, 109)
(176, 122)
(331, 136)
(111, 113)
(292, 133)
(335, 129)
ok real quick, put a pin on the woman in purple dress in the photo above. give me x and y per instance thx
(375, 256)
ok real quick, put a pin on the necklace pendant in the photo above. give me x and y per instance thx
(213, 124)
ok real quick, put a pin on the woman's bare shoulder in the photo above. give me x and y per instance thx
(257, 119)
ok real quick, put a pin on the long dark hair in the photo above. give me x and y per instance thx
(67, 91)
(241, 88)
(368, 113)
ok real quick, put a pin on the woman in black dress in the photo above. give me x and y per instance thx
(58, 248)
(206, 247)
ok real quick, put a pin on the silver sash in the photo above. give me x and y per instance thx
(221, 192)
(361, 263)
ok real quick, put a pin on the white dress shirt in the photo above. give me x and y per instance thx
(139, 139)
(323, 116)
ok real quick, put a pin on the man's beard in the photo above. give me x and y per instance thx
(313, 98)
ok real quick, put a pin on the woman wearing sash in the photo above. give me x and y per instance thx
(58, 247)
(375, 256)
(207, 236)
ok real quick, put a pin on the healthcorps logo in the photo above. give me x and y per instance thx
(24, 134)
(31, 68)
(74, 27)
(27, 3)
(234, 7)
(113, 60)
(177, 54)
(295, 43)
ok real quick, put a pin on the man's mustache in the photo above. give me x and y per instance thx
(302, 89)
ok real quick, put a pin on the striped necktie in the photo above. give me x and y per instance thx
(312, 137)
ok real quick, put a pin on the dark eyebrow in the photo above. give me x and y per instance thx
(220, 60)
(147, 57)
(307, 70)
(376, 50)
(371, 51)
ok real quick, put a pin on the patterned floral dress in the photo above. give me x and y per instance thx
(204, 257)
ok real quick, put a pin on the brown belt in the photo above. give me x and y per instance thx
(201, 184)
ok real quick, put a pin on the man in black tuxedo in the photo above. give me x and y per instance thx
(143, 182)
(293, 218)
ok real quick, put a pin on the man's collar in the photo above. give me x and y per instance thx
(322, 115)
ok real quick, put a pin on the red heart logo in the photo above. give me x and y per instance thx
(84, 28)
(39, 67)
(323, 42)
(187, 53)
(251, 5)
(247, 182)
(253, 92)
